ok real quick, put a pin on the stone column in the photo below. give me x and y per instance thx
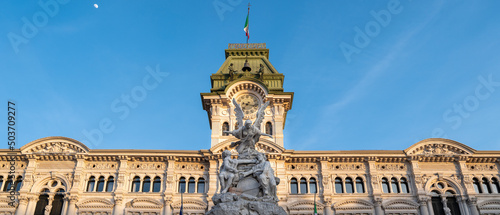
(72, 205)
(423, 206)
(65, 205)
(32, 204)
(328, 207)
(23, 204)
(48, 208)
(118, 209)
(378, 206)
(473, 206)
(463, 205)
(167, 209)
(429, 205)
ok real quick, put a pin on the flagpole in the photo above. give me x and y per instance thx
(248, 15)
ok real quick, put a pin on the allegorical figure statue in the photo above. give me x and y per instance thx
(265, 175)
(249, 133)
(228, 170)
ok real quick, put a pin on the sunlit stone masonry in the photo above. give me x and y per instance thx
(60, 175)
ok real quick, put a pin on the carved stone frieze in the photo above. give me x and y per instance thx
(482, 167)
(147, 166)
(302, 167)
(391, 167)
(190, 166)
(349, 166)
(56, 148)
(101, 165)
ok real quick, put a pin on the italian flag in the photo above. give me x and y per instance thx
(246, 28)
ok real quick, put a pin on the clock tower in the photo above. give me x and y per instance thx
(248, 77)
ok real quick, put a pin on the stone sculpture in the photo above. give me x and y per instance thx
(248, 183)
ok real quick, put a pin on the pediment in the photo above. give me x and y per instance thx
(353, 204)
(96, 203)
(307, 205)
(190, 204)
(144, 203)
(55, 145)
(401, 204)
(439, 147)
(264, 145)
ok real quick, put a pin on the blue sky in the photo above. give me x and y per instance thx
(430, 70)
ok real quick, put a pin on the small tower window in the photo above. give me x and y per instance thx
(182, 185)
(201, 185)
(146, 185)
(191, 185)
(225, 127)
(475, 182)
(338, 186)
(394, 185)
(157, 184)
(100, 184)
(360, 187)
(312, 185)
(136, 184)
(269, 128)
(349, 188)
(91, 184)
(303, 186)
(404, 185)
(294, 187)
(385, 185)
(110, 184)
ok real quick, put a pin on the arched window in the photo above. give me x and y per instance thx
(157, 184)
(360, 187)
(338, 186)
(43, 201)
(57, 204)
(303, 186)
(191, 185)
(182, 185)
(225, 127)
(136, 184)
(100, 184)
(475, 182)
(495, 185)
(201, 185)
(269, 128)
(394, 185)
(146, 184)
(8, 184)
(349, 186)
(1, 182)
(19, 183)
(312, 185)
(486, 188)
(110, 184)
(294, 186)
(385, 185)
(404, 185)
(91, 184)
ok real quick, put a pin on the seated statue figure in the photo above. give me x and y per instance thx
(228, 170)
(263, 172)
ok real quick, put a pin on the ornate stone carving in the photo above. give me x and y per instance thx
(391, 167)
(190, 167)
(147, 166)
(101, 165)
(56, 148)
(438, 150)
(350, 166)
(482, 167)
(302, 167)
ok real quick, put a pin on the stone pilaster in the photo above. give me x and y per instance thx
(72, 205)
(22, 206)
(119, 206)
(423, 205)
(473, 206)
(378, 206)
(213, 183)
(167, 205)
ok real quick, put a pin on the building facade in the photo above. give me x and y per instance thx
(59, 175)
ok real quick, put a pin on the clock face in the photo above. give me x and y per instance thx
(249, 103)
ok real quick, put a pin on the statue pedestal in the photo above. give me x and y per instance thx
(244, 204)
